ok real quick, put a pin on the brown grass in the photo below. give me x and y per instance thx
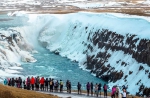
(12, 92)
(131, 11)
(127, 10)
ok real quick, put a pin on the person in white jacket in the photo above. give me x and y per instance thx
(124, 94)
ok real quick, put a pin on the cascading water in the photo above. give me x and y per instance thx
(48, 64)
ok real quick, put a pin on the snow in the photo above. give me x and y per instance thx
(86, 5)
(15, 67)
(133, 66)
(12, 2)
(11, 71)
(58, 32)
(146, 2)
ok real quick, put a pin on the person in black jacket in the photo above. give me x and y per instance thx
(99, 89)
(13, 82)
(69, 87)
(10, 82)
(20, 82)
(24, 84)
(46, 84)
(79, 88)
(91, 89)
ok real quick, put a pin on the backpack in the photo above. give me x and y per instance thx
(51, 83)
(61, 83)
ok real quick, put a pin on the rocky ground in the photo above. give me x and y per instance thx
(135, 7)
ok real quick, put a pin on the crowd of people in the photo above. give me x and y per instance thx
(96, 89)
(45, 84)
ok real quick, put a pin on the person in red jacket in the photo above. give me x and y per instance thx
(32, 82)
(42, 83)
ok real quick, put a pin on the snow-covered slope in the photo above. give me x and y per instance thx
(111, 46)
(108, 46)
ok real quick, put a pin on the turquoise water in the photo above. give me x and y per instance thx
(54, 66)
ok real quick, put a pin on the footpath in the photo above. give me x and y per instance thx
(72, 95)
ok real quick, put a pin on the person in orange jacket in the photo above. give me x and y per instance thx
(32, 82)
(42, 83)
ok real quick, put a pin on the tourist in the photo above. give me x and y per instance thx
(69, 87)
(10, 82)
(113, 92)
(79, 88)
(20, 82)
(37, 83)
(61, 86)
(51, 85)
(42, 84)
(57, 85)
(124, 94)
(117, 92)
(99, 89)
(5, 82)
(24, 83)
(105, 90)
(88, 88)
(91, 89)
(32, 82)
(46, 84)
(96, 89)
(17, 83)
(28, 83)
(13, 82)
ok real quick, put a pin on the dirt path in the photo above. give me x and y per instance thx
(72, 95)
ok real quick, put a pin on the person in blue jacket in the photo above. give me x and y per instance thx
(5, 82)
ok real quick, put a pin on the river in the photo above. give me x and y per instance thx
(54, 66)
